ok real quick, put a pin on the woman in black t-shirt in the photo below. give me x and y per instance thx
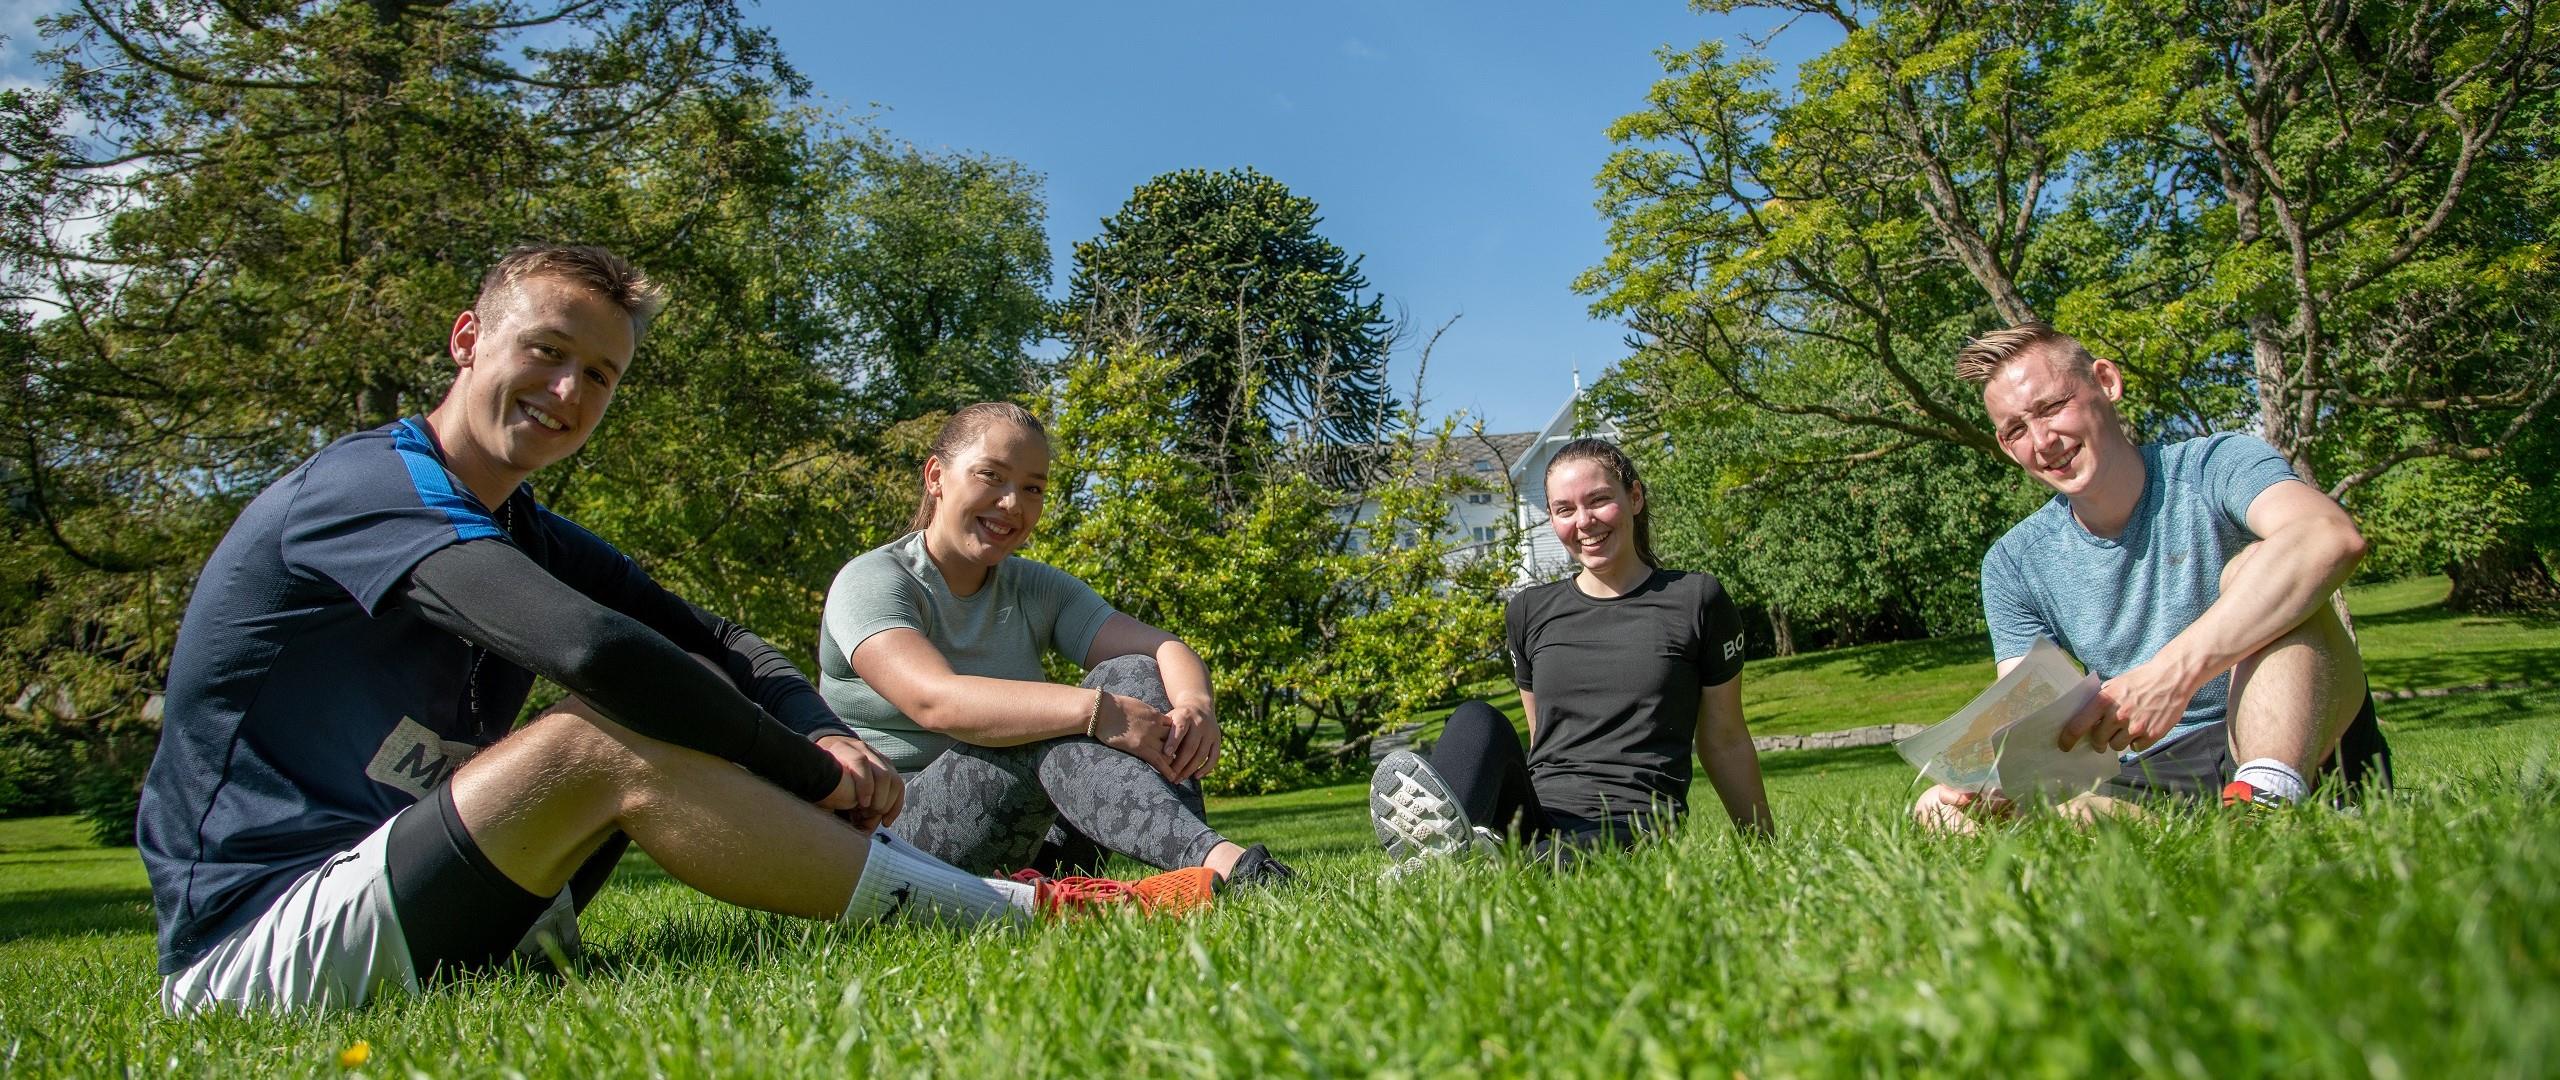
(1623, 668)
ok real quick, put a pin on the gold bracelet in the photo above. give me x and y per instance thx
(1093, 716)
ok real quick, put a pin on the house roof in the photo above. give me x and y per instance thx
(1504, 451)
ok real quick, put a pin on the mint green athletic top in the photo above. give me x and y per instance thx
(1024, 609)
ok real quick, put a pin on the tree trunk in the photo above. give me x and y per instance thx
(2509, 576)
(1782, 637)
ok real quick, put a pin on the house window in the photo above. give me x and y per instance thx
(1480, 498)
(1484, 465)
(1483, 534)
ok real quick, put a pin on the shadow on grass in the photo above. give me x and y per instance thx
(1886, 658)
(2438, 614)
(2462, 712)
(74, 912)
(1803, 762)
(2540, 665)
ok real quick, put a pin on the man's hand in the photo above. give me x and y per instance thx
(871, 794)
(1955, 810)
(2132, 710)
(1135, 728)
(1192, 744)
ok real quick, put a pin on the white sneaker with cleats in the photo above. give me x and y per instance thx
(1417, 817)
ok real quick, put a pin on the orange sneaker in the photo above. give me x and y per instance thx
(2240, 794)
(1173, 892)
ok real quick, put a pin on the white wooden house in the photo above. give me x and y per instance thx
(1508, 504)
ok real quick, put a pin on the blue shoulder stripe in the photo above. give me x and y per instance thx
(434, 485)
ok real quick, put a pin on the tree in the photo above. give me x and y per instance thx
(237, 231)
(1312, 622)
(1226, 270)
(2328, 222)
(941, 280)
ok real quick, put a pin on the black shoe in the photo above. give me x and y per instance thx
(1256, 869)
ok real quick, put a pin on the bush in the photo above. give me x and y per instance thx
(108, 790)
(34, 778)
(1322, 609)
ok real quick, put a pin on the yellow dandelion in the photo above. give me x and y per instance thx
(355, 1055)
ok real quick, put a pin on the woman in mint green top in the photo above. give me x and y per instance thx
(931, 646)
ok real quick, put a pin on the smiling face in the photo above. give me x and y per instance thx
(988, 496)
(1592, 516)
(534, 378)
(2057, 424)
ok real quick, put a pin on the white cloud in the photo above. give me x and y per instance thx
(1361, 50)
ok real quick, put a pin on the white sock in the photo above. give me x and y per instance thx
(899, 882)
(2272, 777)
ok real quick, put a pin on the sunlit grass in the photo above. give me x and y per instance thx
(2416, 936)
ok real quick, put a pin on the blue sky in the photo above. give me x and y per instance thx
(1451, 145)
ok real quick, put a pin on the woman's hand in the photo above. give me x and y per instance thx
(1135, 728)
(1192, 744)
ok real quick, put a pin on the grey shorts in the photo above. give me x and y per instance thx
(2193, 766)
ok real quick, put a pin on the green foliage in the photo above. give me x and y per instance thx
(34, 775)
(2492, 525)
(1819, 547)
(1227, 271)
(244, 230)
(1305, 631)
(2329, 224)
(941, 279)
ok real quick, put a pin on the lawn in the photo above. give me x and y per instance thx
(2421, 934)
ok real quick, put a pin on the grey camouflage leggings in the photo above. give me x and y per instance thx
(989, 809)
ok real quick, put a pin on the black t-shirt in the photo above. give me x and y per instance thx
(1617, 681)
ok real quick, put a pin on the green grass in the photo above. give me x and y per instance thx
(2420, 935)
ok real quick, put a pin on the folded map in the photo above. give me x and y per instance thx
(2004, 739)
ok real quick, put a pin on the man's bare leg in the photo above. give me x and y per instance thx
(2293, 699)
(541, 800)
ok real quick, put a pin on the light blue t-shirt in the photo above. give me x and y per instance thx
(2114, 603)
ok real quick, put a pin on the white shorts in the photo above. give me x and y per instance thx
(331, 941)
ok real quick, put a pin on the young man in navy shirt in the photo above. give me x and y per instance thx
(338, 805)
(2195, 578)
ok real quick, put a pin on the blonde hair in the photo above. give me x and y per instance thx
(594, 267)
(1983, 357)
(962, 429)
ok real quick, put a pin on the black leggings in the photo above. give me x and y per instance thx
(1480, 757)
(1058, 804)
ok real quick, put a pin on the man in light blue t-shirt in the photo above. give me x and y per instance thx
(2195, 578)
